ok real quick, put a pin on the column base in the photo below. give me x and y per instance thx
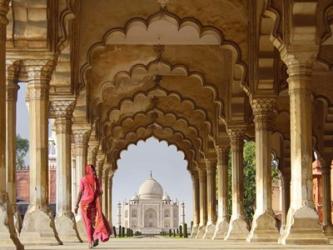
(328, 231)
(201, 232)
(194, 232)
(303, 228)
(8, 235)
(264, 228)
(209, 231)
(221, 230)
(238, 230)
(66, 226)
(38, 228)
(81, 230)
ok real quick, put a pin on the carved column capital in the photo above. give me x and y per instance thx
(39, 70)
(236, 136)
(263, 110)
(80, 137)
(299, 63)
(39, 73)
(222, 152)
(62, 108)
(4, 7)
(62, 111)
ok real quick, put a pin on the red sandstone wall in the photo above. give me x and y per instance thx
(22, 185)
(52, 186)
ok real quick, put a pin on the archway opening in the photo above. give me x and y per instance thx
(149, 186)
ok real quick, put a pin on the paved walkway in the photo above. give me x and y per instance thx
(174, 244)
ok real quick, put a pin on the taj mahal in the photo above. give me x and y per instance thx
(150, 211)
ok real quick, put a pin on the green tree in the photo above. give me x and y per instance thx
(249, 154)
(22, 147)
(249, 180)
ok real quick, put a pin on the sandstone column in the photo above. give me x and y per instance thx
(196, 204)
(203, 202)
(100, 160)
(38, 224)
(327, 207)
(211, 198)
(302, 214)
(8, 236)
(62, 110)
(238, 228)
(110, 197)
(80, 136)
(11, 98)
(285, 196)
(264, 224)
(222, 224)
(105, 195)
(73, 179)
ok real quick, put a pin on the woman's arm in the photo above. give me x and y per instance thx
(79, 196)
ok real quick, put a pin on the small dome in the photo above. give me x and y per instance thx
(150, 189)
(166, 197)
(135, 197)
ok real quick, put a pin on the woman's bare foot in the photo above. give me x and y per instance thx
(95, 243)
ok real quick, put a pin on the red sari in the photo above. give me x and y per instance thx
(97, 227)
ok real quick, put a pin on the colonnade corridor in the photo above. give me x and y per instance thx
(206, 76)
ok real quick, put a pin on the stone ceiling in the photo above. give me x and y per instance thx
(180, 70)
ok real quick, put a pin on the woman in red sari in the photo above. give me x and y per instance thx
(97, 227)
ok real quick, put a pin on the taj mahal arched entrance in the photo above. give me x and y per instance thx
(150, 217)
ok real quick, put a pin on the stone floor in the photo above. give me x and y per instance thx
(173, 244)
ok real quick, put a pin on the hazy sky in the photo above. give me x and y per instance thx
(166, 163)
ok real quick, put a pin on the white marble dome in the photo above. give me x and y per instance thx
(150, 189)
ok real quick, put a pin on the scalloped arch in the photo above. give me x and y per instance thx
(192, 27)
(166, 93)
(169, 142)
(155, 127)
(157, 67)
(160, 112)
(139, 135)
(195, 138)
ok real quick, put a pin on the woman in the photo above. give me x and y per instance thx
(96, 225)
